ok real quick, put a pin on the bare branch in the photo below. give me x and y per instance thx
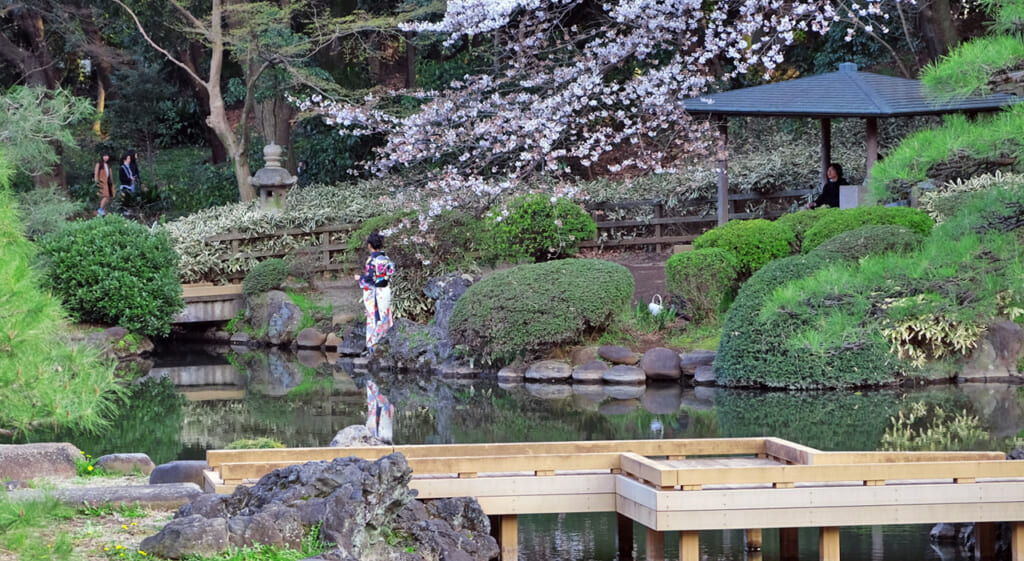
(163, 51)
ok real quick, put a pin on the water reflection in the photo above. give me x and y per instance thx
(196, 400)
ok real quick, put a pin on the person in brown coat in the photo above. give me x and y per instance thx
(104, 182)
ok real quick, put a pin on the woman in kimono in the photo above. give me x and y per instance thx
(376, 292)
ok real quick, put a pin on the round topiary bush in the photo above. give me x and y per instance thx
(113, 271)
(802, 221)
(839, 221)
(872, 240)
(531, 308)
(778, 349)
(266, 275)
(705, 278)
(540, 227)
(752, 242)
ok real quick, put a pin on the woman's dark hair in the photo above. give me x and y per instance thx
(376, 241)
(105, 153)
(131, 154)
(838, 168)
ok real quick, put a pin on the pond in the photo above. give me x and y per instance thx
(195, 399)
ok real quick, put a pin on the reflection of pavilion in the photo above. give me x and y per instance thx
(205, 382)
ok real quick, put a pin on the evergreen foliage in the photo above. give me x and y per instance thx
(872, 240)
(796, 348)
(841, 221)
(531, 308)
(539, 227)
(43, 382)
(266, 275)
(802, 221)
(112, 271)
(752, 242)
(45, 210)
(705, 278)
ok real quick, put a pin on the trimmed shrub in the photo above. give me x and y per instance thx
(112, 271)
(793, 349)
(266, 275)
(531, 308)
(802, 221)
(872, 240)
(752, 242)
(704, 277)
(538, 227)
(841, 221)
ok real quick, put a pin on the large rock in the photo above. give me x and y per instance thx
(417, 346)
(157, 497)
(274, 313)
(548, 371)
(616, 354)
(115, 343)
(583, 355)
(355, 436)
(705, 376)
(660, 363)
(29, 461)
(350, 498)
(589, 373)
(179, 471)
(126, 463)
(310, 338)
(689, 362)
(622, 374)
(446, 291)
(997, 352)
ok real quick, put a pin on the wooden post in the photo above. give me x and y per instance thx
(871, 126)
(508, 536)
(752, 539)
(657, 227)
(984, 541)
(1016, 541)
(689, 545)
(826, 148)
(828, 543)
(624, 525)
(655, 545)
(722, 161)
(789, 544)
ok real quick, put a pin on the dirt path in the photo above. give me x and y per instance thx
(648, 270)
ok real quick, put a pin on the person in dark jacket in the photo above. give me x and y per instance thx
(830, 190)
(126, 174)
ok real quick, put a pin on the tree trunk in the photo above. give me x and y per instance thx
(275, 120)
(938, 28)
(193, 58)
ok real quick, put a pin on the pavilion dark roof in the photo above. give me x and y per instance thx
(846, 93)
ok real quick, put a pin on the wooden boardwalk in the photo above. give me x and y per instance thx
(686, 486)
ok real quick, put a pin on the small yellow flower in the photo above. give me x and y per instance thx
(132, 524)
(82, 453)
(89, 468)
(142, 553)
(106, 549)
(125, 526)
(119, 547)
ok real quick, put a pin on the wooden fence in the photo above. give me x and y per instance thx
(329, 241)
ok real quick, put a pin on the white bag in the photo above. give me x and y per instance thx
(655, 305)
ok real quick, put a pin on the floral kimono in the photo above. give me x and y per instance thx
(377, 297)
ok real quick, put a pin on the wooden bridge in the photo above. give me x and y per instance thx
(686, 486)
(204, 302)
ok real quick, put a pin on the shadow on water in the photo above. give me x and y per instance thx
(197, 399)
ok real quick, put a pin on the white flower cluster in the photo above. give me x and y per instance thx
(578, 90)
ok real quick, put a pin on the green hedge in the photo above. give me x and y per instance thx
(752, 242)
(266, 275)
(841, 221)
(872, 240)
(538, 227)
(802, 221)
(112, 271)
(705, 278)
(785, 348)
(531, 308)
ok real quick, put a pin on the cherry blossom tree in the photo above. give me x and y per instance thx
(580, 88)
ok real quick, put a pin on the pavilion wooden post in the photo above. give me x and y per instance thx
(505, 529)
(984, 541)
(826, 148)
(1016, 541)
(624, 526)
(752, 539)
(722, 161)
(871, 130)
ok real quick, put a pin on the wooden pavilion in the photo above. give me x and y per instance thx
(847, 93)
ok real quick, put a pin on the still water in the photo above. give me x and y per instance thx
(199, 399)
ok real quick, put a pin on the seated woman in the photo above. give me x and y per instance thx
(830, 190)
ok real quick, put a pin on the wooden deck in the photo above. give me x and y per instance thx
(205, 302)
(690, 485)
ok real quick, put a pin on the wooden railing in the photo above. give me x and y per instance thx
(680, 228)
(330, 241)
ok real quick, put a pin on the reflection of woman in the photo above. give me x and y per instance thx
(104, 182)
(376, 292)
(830, 190)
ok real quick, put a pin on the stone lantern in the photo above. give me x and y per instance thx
(272, 181)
